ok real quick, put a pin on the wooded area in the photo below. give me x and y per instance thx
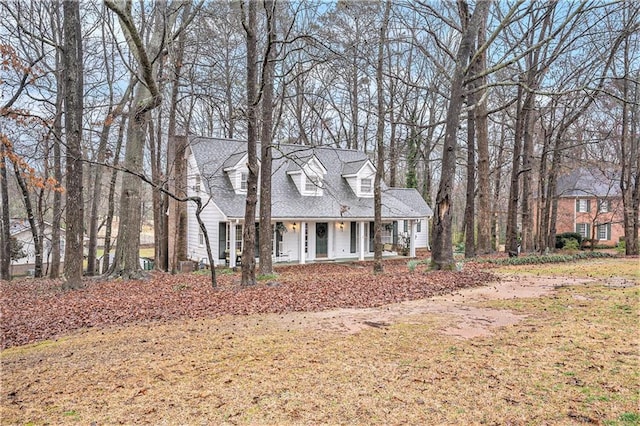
(481, 106)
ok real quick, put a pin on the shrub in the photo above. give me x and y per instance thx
(547, 258)
(561, 239)
(570, 244)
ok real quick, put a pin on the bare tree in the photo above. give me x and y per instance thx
(73, 104)
(249, 23)
(442, 244)
(268, 71)
(377, 192)
(147, 97)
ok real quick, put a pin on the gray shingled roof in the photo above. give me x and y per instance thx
(589, 183)
(338, 201)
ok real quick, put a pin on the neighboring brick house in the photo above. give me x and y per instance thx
(590, 204)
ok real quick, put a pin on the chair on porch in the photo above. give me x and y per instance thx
(227, 257)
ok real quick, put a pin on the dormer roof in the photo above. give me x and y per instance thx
(234, 161)
(298, 163)
(352, 168)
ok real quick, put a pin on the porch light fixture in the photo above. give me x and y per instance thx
(293, 227)
(342, 226)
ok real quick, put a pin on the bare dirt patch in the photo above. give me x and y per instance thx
(462, 318)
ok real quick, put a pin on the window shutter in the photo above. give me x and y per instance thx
(395, 232)
(577, 205)
(609, 231)
(588, 228)
(588, 205)
(608, 205)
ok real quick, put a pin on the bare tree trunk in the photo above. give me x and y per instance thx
(377, 192)
(106, 260)
(126, 261)
(483, 243)
(249, 231)
(54, 266)
(155, 150)
(57, 211)
(511, 244)
(74, 108)
(147, 97)
(92, 263)
(5, 234)
(268, 70)
(177, 226)
(442, 254)
(469, 210)
(495, 210)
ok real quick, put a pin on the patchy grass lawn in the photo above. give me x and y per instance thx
(574, 359)
(620, 267)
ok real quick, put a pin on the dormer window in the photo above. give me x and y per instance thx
(308, 175)
(312, 183)
(236, 168)
(359, 175)
(365, 186)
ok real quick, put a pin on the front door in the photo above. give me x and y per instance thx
(321, 239)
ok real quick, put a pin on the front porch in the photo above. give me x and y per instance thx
(319, 241)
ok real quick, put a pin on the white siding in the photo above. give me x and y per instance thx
(211, 215)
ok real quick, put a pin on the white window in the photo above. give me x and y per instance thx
(583, 229)
(238, 242)
(604, 231)
(201, 238)
(583, 206)
(419, 227)
(365, 186)
(243, 181)
(312, 184)
(196, 185)
(604, 206)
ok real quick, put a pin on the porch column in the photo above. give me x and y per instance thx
(232, 244)
(412, 238)
(303, 226)
(361, 256)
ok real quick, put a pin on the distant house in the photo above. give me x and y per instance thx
(322, 203)
(21, 231)
(590, 204)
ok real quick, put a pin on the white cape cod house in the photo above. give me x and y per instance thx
(322, 204)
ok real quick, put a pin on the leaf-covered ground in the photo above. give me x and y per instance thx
(571, 359)
(35, 310)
